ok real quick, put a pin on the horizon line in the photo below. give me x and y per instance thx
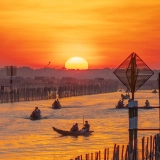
(63, 68)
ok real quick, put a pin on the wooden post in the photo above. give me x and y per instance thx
(131, 126)
(91, 156)
(154, 146)
(122, 152)
(99, 155)
(96, 155)
(117, 150)
(131, 111)
(147, 148)
(143, 148)
(105, 154)
(135, 131)
(114, 150)
(150, 147)
(86, 156)
(126, 154)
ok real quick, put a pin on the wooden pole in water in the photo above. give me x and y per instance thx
(122, 152)
(99, 155)
(83, 120)
(143, 147)
(151, 147)
(131, 110)
(91, 156)
(105, 154)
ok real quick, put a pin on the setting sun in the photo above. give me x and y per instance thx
(76, 63)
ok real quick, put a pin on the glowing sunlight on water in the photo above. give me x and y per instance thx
(24, 139)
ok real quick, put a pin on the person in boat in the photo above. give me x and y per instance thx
(86, 127)
(120, 103)
(38, 111)
(74, 128)
(147, 104)
(129, 100)
(34, 113)
(56, 103)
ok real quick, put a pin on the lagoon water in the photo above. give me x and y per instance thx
(23, 139)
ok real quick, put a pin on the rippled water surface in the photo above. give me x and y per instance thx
(21, 138)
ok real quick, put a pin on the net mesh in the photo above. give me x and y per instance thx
(133, 72)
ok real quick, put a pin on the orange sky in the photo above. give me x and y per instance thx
(103, 32)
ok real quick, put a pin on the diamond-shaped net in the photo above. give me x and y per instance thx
(133, 72)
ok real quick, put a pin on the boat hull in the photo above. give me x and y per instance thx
(56, 106)
(35, 117)
(144, 107)
(126, 107)
(69, 133)
(121, 107)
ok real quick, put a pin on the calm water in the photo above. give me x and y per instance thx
(21, 138)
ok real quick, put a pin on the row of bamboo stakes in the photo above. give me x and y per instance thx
(150, 150)
(44, 93)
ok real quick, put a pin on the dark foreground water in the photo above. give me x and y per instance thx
(21, 138)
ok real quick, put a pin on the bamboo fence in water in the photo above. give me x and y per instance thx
(150, 150)
(44, 93)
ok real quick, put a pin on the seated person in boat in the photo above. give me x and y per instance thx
(56, 103)
(129, 100)
(120, 104)
(147, 104)
(86, 127)
(34, 114)
(74, 128)
(38, 111)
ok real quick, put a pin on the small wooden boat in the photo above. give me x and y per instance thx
(69, 133)
(126, 107)
(56, 105)
(154, 91)
(35, 117)
(120, 107)
(145, 107)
